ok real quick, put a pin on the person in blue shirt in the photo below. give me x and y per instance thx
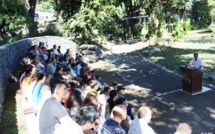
(112, 126)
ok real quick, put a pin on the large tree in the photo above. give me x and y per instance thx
(88, 15)
(13, 16)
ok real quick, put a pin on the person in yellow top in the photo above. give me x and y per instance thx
(30, 75)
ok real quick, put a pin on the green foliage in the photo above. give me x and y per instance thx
(138, 28)
(13, 16)
(48, 6)
(201, 14)
(93, 20)
(165, 11)
(199, 25)
(211, 3)
(6, 39)
(180, 29)
(212, 28)
(50, 29)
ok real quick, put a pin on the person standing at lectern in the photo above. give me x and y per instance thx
(196, 63)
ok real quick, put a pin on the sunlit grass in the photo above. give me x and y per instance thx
(181, 53)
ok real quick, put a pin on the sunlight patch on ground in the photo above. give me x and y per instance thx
(193, 46)
(174, 120)
(157, 58)
(21, 124)
(160, 123)
(212, 111)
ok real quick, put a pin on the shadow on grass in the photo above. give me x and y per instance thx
(202, 41)
(9, 117)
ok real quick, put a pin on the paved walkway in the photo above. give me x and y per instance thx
(133, 68)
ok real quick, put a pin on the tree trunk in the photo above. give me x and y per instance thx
(32, 4)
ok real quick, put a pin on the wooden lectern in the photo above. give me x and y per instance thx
(191, 80)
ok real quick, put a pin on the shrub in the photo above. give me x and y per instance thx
(180, 29)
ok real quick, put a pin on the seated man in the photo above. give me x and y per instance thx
(85, 119)
(112, 126)
(120, 90)
(196, 63)
(51, 67)
(53, 112)
(140, 125)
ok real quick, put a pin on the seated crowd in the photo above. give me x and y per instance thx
(67, 96)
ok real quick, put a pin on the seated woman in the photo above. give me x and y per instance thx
(51, 67)
(111, 102)
(41, 51)
(92, 99)
(46, 93)
(25, 61)
(22, 75)
(40, 67)
(59, 73)
(90, 86)
(28, 84)
(75, 101)
(37, 94)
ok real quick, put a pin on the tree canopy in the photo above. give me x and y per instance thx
(13, 16)
(87, 16)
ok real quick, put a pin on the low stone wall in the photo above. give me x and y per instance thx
(11, 54)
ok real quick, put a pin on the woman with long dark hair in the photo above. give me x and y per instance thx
(111, 102)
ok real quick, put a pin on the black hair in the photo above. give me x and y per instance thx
(86, 114)
(195, 54)
(114, 84)
(40, 76)
(29, 69)
(66, 69)
(83, 64)
(54, 82)
(52, 59)
(111, 102)
(75, 96)
(73, 65)
(120, 100)
(56, 74)
(106, 89)
(31, 48)
(97, 77)
(33, 56)
(41, 44)
(89, 81)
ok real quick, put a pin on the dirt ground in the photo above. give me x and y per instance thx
(164, 120)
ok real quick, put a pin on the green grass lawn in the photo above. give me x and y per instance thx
(181, 53)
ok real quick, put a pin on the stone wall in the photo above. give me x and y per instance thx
(11, 55)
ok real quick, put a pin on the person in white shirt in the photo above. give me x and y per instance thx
(103, 99)
(140, 125)
(114, 86)
(196, 63)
